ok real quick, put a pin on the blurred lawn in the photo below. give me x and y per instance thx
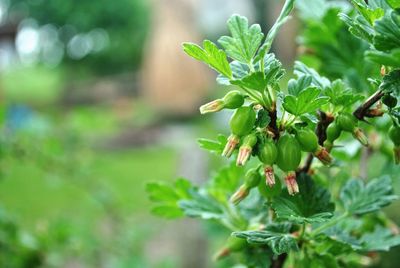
(38, 85)
(33, 195)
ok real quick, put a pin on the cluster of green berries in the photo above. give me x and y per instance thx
(283, 151)
(344, 122)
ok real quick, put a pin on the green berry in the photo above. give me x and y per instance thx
(389, 100)
(307, 139)
(267, 152)
(233, 100)
(289, 153)
(245, 150)
(347, 122)
(252, 178)
(333, 132)
(242, 121)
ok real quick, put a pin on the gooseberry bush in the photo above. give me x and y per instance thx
(291, 196)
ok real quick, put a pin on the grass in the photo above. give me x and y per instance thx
(19, 83)
(34, 196)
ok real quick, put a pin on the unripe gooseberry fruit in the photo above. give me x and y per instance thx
(333, 132)
(242, 121)
(241, 124)
(347, 122)
(267, 153)
(307, 139)
(233, 100)
(246, 148)
(251, 180)
(289, 153)
(389, 100)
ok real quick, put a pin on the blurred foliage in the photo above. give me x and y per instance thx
(18, 85)
(125, 21)
(329, 47)
(78, 203)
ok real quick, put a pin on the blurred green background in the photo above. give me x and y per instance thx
(97, 99)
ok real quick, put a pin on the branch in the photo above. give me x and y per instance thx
(280, 261)
(323, 123)
(363, 110)
(273, 127)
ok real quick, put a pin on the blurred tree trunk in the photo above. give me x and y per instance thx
(173, 82)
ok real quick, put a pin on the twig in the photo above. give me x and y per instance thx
(323, 123)
(278, 262)
(307, 164)
(273, 127)
(363, 110)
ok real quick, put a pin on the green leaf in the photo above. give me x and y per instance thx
(296, 86)
(307, 101)
(359, 27)
(161, 192)
(255, 81)
(381, 239)
(311, 205)
(340, 95)
(332, 245)
(244, 43)
(391, 58)
(257, 257)
(394, 3)
(391, 82)
(273, 70)
(359, 198)
(312, 10)
(263, 118)
(369, 13)
(239, 70)
(201, 205)
(276, 236)
(259, 80)
(387, 32)
(225, 182)
(337, 239)
(167, 197)
(167, 211)
(213, 146)
(384, 4)
(315, 10)
(318, 261)
(301, 69)
(211, 55)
